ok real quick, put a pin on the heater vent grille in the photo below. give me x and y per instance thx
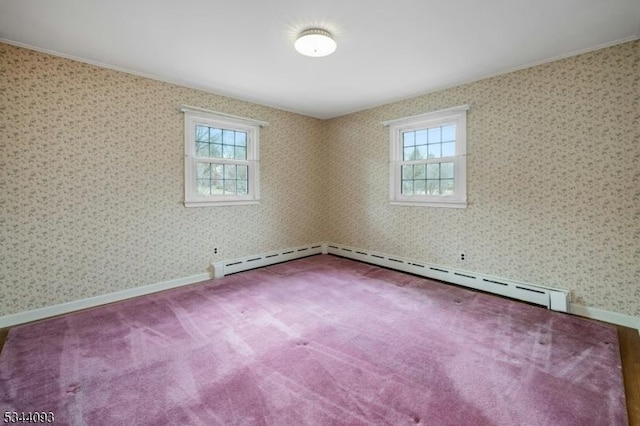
(555, 299)
(238, 265)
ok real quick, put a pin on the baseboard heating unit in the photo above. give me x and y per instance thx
(554, 299)
(220, 269)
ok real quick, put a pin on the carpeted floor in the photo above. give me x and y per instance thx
(316, 341)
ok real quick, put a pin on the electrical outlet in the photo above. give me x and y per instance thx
(463, 256)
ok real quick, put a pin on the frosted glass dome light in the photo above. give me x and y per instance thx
(315, 42)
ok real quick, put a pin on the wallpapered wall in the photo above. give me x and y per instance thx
(553, 180)
(92, 183)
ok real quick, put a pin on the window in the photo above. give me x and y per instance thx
(428, 159)
(221, 159)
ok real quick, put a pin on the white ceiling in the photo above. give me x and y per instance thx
(387, 50)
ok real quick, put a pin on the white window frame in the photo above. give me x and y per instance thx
(197, 116)
(457, 116)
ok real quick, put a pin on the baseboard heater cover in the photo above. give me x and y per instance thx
(554, 299)
(220, 269)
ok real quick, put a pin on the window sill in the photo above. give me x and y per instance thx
(451, 205)
(219, 203)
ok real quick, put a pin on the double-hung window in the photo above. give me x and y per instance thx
(221, 159)
(428, 159)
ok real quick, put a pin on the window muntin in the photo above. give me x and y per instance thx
(220, 143)
(222, 179)
(428, 159)
(428, 179)
(221, 160)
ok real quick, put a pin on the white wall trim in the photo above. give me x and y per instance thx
(456, 116)
(427, 116)
(91, 302)
(221, 115)
(251, 128)
(227, 267)
(606, 316)
(220, 269)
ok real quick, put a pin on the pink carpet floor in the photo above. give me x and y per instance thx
(317, 341)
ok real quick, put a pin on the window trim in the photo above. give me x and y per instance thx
(198, 116)
(457, 116)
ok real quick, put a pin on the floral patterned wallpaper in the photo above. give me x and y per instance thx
(92, 183)
(553, 180)
(91, 170)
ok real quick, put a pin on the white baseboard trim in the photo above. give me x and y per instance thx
(91, 302)
(606, 316)
(220, 269)
(232, 266)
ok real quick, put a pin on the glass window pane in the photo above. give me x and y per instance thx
(217, 171)
(228, 151)
(203, 186)
(215, 150)
(228, 137)
(419, 171)
(407, 172)
(241, 139)
(446, 170)
(448, 133)
(433, 187)
(240, 153)
(446, 187)
(407, 187)
(229, 187)
(419, 187)
(434, 151)
(229, 171)
(434, 135)
(243, 187)
(422, 152)
(202, 149)
(409, 138)
(203, 171)
(217, 187)
(421, 137)
(215, 136)
(232, 179)
(433, 171)
(408, 154)
(202, 134)
(243, 172)
(448, 149)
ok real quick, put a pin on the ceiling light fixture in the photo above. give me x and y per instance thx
(315, 42)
